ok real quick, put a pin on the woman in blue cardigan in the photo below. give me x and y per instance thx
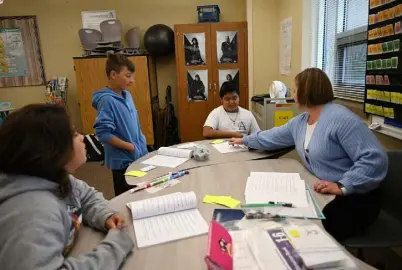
(337, 147)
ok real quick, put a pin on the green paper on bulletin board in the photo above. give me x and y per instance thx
(282, 117)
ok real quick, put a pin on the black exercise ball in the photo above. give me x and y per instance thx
(159, 40)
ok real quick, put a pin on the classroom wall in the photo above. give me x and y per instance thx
(265, 25)
(292, 8)
(59, 22)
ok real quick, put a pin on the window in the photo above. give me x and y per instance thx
(342, 45)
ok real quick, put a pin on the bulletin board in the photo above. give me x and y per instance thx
(21, 62)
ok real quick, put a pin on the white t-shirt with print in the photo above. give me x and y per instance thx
(242, 121)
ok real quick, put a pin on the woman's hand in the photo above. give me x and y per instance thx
(236, 141)
(115, 221)
(326, 187)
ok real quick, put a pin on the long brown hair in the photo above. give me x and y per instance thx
(37, 140)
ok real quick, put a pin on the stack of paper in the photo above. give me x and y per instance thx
(317, 249)
(283, 247)
(264, 187)
(166, 218)
(169, 157)
(225, 147)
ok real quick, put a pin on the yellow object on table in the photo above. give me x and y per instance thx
(227, 201)
(135, 173)
(217, 141)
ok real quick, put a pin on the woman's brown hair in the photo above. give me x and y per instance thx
(313, 88)
(37, 140)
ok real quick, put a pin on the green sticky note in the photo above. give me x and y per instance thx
(369, 65)
(389, 63)
(383, 63)
(135, 173)
(394, 62)
(217, 141)
(390, 46)
(397, 45)
(384, 47)
(378, 64)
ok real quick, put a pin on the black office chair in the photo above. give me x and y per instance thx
(386, 232)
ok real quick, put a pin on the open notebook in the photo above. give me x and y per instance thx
(169, 157)
(167, 218)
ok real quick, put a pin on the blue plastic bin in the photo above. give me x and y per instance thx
(210, 13)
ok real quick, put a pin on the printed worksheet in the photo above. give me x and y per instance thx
(263, 187)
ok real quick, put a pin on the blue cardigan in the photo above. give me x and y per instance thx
(342, 148)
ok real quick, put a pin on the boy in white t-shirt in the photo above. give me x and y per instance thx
(229, 120)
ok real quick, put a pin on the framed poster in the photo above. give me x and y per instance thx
(21, 61)
(229, 80)
(194, 49)
(12, 53)
(197, 82)
(227, 51)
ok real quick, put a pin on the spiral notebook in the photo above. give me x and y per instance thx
(166, 218)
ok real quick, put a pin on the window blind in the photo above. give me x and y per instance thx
(342, 45)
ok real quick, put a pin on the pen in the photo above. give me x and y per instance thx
(271, 203)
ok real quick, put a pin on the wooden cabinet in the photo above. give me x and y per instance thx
(91, 76)
(213, 54)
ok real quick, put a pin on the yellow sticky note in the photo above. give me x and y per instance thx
(208, 199)
(294, 233)
(387, 96)
(227, 201)
(136, 173)
(282, 117)
(217, 141)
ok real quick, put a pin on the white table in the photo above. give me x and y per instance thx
(220, 179)
(215, 158)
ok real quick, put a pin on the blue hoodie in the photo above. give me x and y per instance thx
(117, 116)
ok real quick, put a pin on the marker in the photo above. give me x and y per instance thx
(161, 181)
(271, 203)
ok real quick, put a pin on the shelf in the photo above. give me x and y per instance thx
(375, 10)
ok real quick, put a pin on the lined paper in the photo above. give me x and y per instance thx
(167, 218)
(263, 187)
(225, 148)
(165, 161)
(163, 205)
(169, 227)
(169, 157)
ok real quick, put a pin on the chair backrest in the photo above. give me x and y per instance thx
(391, 187)
(133, 38)
(111, 30)
(89, 38)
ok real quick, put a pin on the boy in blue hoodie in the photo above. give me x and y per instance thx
(117, 124)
